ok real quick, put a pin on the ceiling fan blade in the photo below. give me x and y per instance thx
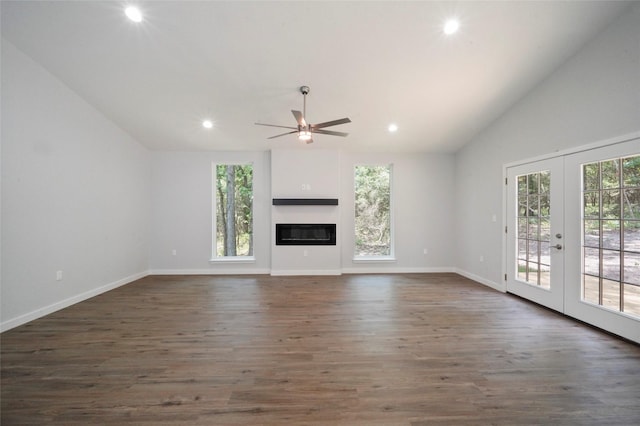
(275, 125)
(330, 123)
(282, 134)
(299, 118)
(329, 132)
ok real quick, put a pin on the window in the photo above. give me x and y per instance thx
(611, 234)
(233, 221)
(373, 211)
(534, 228)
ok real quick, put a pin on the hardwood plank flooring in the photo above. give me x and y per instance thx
(398, 349)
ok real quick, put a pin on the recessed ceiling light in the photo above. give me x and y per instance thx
(133, 13)
(393, 127)
(451, 26)
(207, 124)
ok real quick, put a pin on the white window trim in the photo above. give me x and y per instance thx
(233, 259)
(374, 259)
(214, 224)
(386, 258)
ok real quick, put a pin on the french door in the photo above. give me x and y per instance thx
(573, 235)
(603, 272)
(535, 247)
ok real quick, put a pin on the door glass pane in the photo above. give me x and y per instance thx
(632, 299)
(611, 294)
(533, 255)
(611, 234)
(611, 264)
(591, 290)
(522, 270)
(632, 235)
(632, 268)
(545, 182)
(534, 229)
(534, 208)
(533, 232)
(592, 233)
(522, 184)
(631, 172)
(545, 205)
(522, 227)
(591, 176)
(533, 183)
(545, 229)
(522, 249)
(610, 174)
(611, 204)
(631, 204)
(591, 204)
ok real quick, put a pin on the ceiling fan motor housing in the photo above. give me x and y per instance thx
(304, 90)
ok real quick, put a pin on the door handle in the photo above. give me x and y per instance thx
(558, 246)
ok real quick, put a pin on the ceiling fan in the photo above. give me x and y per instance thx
(304, 129)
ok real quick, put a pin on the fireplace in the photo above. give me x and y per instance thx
(305, 234)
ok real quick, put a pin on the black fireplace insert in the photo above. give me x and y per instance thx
(305, 234)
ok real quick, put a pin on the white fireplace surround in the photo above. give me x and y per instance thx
(301, 174)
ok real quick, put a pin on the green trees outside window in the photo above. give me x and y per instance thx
(234, 210)
(373, 210)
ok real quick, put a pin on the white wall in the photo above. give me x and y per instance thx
(592, 97)
(423, 191)
(182, 206)
(423, 211)
(75, 196)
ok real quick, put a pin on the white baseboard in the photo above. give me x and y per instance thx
(39, 313)
(285, 272)
(397, 270)
(239, 271)
(500, 287)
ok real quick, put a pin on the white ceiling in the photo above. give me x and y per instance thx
(243, 62)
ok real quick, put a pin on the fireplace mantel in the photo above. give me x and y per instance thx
(305, 201)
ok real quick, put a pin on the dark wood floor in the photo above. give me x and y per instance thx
(407, 349)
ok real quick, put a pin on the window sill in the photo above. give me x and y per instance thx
(374, 259)
(233, 259)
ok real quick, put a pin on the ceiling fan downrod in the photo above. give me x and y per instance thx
(305, 91)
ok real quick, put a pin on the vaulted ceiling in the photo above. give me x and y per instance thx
(238, 63)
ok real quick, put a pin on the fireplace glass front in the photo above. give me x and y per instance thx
(305, 234)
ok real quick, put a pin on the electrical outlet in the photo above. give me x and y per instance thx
(481, 258)
(174, 252)
(305, 253)
(59, 276)
(425, 251)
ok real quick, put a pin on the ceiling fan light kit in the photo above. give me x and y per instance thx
(305, 136)
(305, 130)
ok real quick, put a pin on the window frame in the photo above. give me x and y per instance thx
(214, 216)
(391, 257)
